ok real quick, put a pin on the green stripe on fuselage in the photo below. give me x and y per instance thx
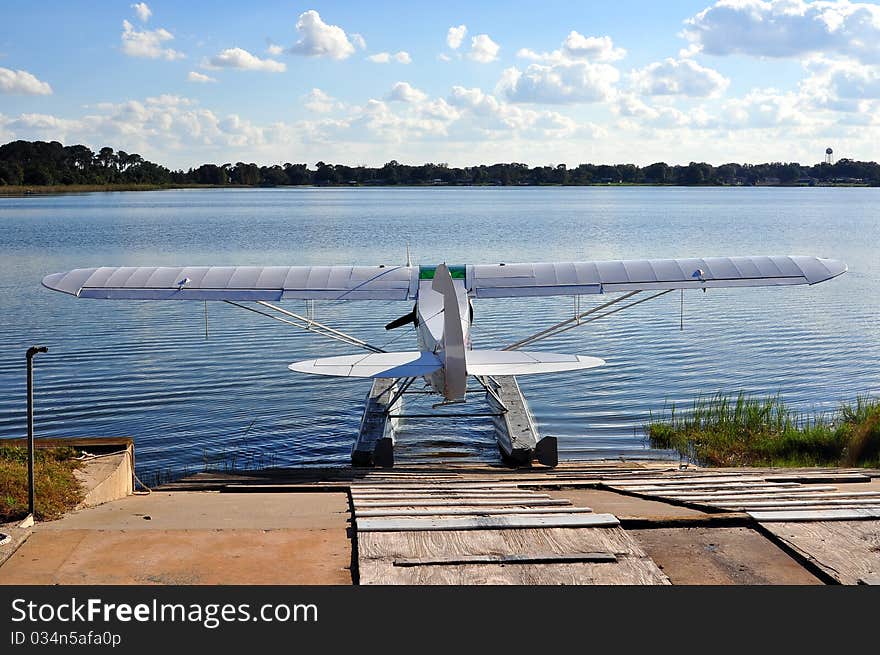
(427, 272)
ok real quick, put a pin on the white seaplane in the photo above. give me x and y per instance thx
(443, 297)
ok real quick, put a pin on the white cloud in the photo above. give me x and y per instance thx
(244, 60)
(318, 39)
(143, 11)
(455, 35)
(275, 50)
(444, 57)
(193, 76)
(401, 57)
(683, 77)
(404, 92)
(19, 81)
(563, 82)
(359, 41)
(483, 49)
(787, 28)
(320, 102)
(577, 46)
(147, 43)
(763, 108)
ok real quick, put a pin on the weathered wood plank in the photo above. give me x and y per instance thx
(417, 510)
(378, 551)
(545, 558)
(792, 515)
(819, 477)
(849, 551)
(749, 491)
(486, 523)
(520, 502)
(449, 494)
(824, 495)
(793, 503)
(667, 481)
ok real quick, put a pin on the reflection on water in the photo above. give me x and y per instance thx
(145, 369)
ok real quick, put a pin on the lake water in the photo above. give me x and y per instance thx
(145, 369)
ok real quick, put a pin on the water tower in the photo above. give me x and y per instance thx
(828, 156)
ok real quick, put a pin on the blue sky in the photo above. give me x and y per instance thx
(363, 83)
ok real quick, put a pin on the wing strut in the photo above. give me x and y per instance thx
(576, 321)
(309, 325)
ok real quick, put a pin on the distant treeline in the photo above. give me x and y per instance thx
(41, 163)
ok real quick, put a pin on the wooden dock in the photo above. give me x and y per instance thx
(598, 522)
(431, 530)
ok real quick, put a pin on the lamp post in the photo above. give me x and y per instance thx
(32, 351)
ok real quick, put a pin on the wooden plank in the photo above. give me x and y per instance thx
(457, 486)
(469, 503)
(377, 552)
(416, 510)
(823, 496)
(751, 491)
(545, 558)
(486, 523)
(792, 503)
(449, 494)
(846, 550)
(793, 515)
(820, 477)
(685, 482)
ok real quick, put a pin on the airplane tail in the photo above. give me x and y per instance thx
(453, 336)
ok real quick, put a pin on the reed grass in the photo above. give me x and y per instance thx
(56, 488)
(742, 430)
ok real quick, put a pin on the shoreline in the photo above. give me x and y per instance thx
(16, 191)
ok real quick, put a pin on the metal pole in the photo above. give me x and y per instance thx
(33, 350)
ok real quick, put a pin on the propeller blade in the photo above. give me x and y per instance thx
(403, 320)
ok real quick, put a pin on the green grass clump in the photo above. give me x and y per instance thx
(56, 488)
(723, 430)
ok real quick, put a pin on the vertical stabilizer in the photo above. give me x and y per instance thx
(453, 336)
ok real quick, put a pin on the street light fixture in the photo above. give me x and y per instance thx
(32, 351)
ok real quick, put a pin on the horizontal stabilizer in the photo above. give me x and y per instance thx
(518, 362)
(374, 365)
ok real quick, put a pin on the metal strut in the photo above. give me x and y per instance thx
(566, 325)
(309, 325)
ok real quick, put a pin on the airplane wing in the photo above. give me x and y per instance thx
(582, 278)
(268, 283)
(274, 283)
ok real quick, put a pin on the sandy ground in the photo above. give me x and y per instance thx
(192, 538)
(720, 556)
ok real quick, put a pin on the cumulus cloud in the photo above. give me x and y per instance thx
(577, 46)
(22, 82)
(143, 11)
(147, 43)
(683, 77)
(455, 35)
(244, 60)
(787, 28)
(161, 124)
(274, 49)
(193, 76)
(320, 102)
(319, 39)
(559, 83)
(404, 92)
(483, 49)
(359, 41)
(401, 57)
(763, 108)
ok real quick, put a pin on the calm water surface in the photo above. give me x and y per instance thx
(145, 369)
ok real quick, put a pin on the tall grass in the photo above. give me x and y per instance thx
(742, 430)
(56, 488)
